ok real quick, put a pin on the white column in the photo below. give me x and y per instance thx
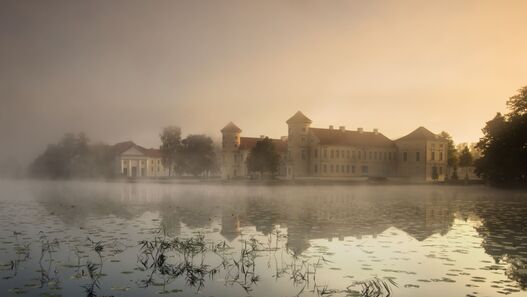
(146, 166)
(129, 167)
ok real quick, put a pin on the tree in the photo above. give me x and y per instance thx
(263, 157)
(504, 144)
(518, 103)
(465, 158)
(452, 158)
(72, 157)
(198, 154)
(452, 155)
(171, 148)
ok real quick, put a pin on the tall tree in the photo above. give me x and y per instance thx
(198, 154)
(263, 157)
(171, 148)
(504, 144)
(518, 103)
(452, 155)
(465, 158)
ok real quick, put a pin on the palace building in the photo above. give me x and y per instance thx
(309, 152)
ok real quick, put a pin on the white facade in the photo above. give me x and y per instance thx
(136, 161)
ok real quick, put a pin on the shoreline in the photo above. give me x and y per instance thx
(271, 182)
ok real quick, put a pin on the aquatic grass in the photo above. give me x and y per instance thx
(163, 259)
(374, 287)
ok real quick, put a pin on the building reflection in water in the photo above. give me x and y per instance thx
(307, 213)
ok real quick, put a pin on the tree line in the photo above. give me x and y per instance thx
(74, 156)
(194, 155)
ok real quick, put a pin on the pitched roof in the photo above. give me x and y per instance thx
(421, 133)
(247, 143)
(231, 127)
(299, 117)
(347, 137)
(122, 147)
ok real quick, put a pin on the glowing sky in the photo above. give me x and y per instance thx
(121, 70)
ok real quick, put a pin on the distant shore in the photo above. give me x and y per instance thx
(297, 181)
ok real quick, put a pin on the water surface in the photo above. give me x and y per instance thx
(125, 239)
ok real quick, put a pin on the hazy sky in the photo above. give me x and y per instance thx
(122, 70)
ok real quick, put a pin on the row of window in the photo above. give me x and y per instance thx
(339, 168)
(418, 156)
(352, 154)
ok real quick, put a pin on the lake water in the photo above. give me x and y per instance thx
(131, 239)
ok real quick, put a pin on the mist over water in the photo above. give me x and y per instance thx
(428, 240)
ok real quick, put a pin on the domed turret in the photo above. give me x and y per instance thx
(230, 145)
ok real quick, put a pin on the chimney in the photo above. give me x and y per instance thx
(330, 127)
(342, 128)
(376, 131)
(360, 130)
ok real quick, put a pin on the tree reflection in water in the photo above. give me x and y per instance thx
(292, 218)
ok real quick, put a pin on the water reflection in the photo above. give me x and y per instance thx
(443, 222)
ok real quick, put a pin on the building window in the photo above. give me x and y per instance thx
(440, 170)
(440, 156)
(337, 167)
(324, 167)
(433, 156)
(385, 155)
(347, 169)
(405, 156)
(417, 156)
(364, 169)
(352, 168)
(348, 154)
(303, 154)
(331, 168)
(369, 155)
(315, 168)
(331, 154)
(325, 153)
(316, 153)
(389, 155)
(353, 155)
(359, 153)
(338, 154)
